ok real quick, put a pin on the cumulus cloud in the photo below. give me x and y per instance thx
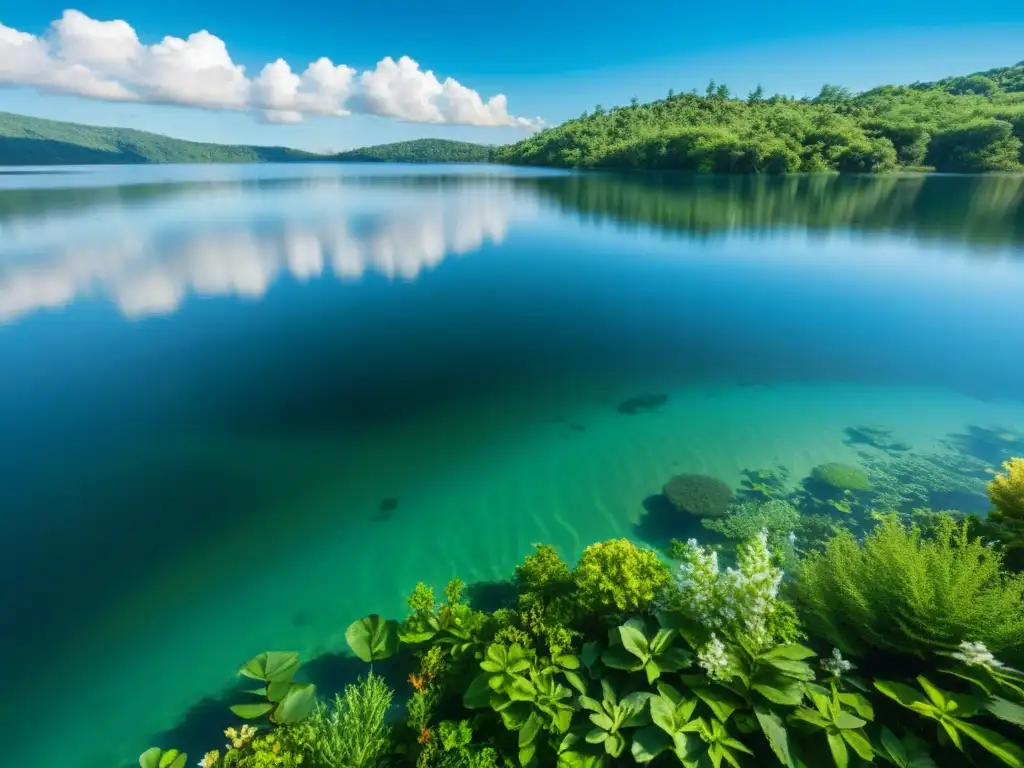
(105, 60)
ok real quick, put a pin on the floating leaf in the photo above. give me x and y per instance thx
(372, 638)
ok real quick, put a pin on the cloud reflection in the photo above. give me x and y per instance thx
(149, 263)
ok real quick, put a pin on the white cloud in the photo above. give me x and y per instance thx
(105, 60)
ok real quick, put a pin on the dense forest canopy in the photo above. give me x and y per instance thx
(420, 151)
(964, 124)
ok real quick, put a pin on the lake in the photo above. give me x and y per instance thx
(242, 406)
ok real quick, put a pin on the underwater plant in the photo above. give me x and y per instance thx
(698, 495)
(778, 519)
(351, 731)
(619, 574)
(154, 757)
(286, 701)
(842, 477)
(902, 592)
(1006, 491)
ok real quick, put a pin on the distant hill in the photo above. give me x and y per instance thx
(967, 124)
(419, 151)
(34, 141)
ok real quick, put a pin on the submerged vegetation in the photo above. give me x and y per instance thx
(893, 648)
(964, 124)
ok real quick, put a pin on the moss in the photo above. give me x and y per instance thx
(698, 495)
(842, 477)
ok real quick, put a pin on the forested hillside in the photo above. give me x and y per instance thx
(958, 125)
(419, 151)
(34, 141)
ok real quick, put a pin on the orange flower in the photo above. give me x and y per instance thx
(424, 736)
(417, 682)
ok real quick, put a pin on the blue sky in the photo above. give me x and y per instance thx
(551, 59)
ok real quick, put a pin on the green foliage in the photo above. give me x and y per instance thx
(1006, 491)
(273, 750)
(618, 574)
(372, 638)
(611, 718)
(286, 702)
(900, 592)
(633, 649)
(744, 521)
(698, 495)
(544, 571)
(452, 624)
(842, 722)
(34, 141)
(953, 712)
(154, 757)
(965, 124)
(842, 477)
(419, 151)
(351, 731)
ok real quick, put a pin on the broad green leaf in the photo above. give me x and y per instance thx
(860, 743)
(592, 704)
(631, 634)
(674, 659)
(649, 742)
(837, 746)
(521, 689)
(721, 702)
(934, 693)
(799, 669)
(858, 704)
(297, 705)
(894, 748)
(663, 714)
(662, 640)
(602, 721)
(526, 754)
(904, 694)
(575, 681)
(271, 666)
(792, 651)
(652, 670)
(1005, 709)
(807, 715)
(172, 758)
(567, 661)
(669, 692)
(998, 745)
(529, 730)
(478, 695)
(789, 696)
(277, 690)
(597, 736)
(590, 654)
(252, 711)
(634, 707)
(776, 733)
(617, 657)
(614, 744)
(150, 758)
(516, 714)
(847, 722)
(372, 638)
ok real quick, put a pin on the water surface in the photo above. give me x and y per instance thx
(242, 406)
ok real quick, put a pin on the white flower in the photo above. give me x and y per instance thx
(976, 655)
(711, 657)
(837, 666)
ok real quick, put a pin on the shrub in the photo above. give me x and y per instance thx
(1006, 491)
(618, 574)
(350, 732)
(842, 477)
(698, 495)
(900, 592)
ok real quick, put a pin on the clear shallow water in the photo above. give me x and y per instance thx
(213, 376)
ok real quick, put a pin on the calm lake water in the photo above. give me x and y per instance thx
(242, 406)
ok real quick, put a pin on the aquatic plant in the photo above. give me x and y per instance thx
(154, 757)
(546, 606)
(841, 720)
(911, 481)
(842, 477)
(372, 638)
(903, 593)
(351, 731)
(619, 574)
(1006, 491)
(544, 571)
(777, 518)
(633, 648)
(286, 702)
(698, 495)
(741, 603)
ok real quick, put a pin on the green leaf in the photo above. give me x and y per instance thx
(721, 702)
(799, 669)
(617, 657)
(663, 713)
(904, 694)
(372, 638)
(938, 696)
(271, 666)
(846, 722)
(998, 745)
(1005, 709)
(837, 746)
(478, 695)
(860, 743)
(590, 654)
(150, 758)
(633, 639)
(602, 721)
(567, 661)
(597, 735)
(634, 707)
(516, 715)
(792, 651)
(652, 670)
(521, 689)
(592, 704)
(809, 716)
(173, 759)
(858, 704)
(529, 730)
(662, 640)
(575, 681)
(649, 742)
(614, 744)
(789, 696)
(252, 711)
(674, 659)
(894, 747)
(277, 690)
(776, 733)
(526, 754)
(297, 705)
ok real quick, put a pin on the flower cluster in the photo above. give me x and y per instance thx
(976, 655)
(240, 737)
(738, 601)
(836, 665)
(711, 657)
(210, 759)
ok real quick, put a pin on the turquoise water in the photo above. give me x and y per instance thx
(241, 407)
